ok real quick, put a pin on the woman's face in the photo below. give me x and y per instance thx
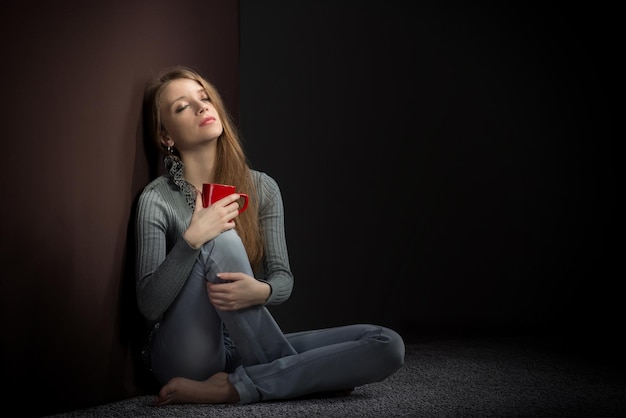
(188, 117)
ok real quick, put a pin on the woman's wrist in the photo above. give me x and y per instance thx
(191, 241)
(265, 293)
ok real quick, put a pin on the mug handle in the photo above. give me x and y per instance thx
(245, 202)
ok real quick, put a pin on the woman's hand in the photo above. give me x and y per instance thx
(207, 223)
(241, 292)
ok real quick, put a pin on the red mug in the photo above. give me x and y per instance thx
(212, 192)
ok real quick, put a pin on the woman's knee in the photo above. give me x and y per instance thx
(229, 254)
(391, 346)
(396, 348)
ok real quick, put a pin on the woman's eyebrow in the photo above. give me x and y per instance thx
(200, 90)
(175, 100)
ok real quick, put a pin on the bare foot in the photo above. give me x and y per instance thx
(216, 389)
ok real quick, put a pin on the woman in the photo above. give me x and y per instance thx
(205, 275)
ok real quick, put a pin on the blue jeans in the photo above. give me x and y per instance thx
(195, 340)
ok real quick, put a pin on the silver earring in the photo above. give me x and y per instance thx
(170, 150)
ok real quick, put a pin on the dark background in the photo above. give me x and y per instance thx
(446, 169)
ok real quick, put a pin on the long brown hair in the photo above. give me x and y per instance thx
(231, 163)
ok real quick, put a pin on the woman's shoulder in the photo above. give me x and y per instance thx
(158, 185)
(264, 183)
(161, 181)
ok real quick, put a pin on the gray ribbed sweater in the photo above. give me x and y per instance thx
(165, 259)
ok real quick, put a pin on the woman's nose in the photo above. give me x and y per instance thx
(202, 108)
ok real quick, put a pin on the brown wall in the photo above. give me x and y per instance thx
(73, 163)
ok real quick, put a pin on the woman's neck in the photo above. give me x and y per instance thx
(199, 166)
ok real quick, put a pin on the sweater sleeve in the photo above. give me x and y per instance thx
(161, 271)
(276, 270)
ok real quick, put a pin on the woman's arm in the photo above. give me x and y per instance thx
(160, 274)
(277, 272)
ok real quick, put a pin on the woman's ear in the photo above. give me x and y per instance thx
(166, 140)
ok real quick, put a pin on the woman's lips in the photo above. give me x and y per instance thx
(207, 120)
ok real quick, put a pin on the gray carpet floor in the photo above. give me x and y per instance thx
(462, 377)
